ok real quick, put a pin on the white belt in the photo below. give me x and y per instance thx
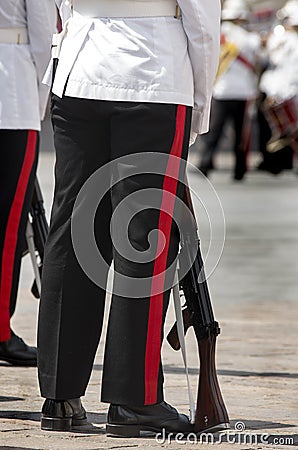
(126, 8)
(14, 36)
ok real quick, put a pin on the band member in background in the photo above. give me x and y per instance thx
(128, 77)
(235, 87)
(278, 113)
(25, 43)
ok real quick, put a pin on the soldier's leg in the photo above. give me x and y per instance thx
(132, 368)
(72, 306)
(19, 153)
(238, 108)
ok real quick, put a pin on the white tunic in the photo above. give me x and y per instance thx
(239, 82)
(22, 96)
(159, 59)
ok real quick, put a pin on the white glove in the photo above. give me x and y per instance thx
(192, 138)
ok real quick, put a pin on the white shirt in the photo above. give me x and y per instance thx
(239, 82)
(23, 97)
(160, 59)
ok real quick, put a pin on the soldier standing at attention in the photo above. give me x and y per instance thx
(26, 27)
(133, 77)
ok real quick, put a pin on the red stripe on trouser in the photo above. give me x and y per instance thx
(11, 236)
(153, 344)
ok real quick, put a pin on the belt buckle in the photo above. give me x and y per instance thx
(177, 12)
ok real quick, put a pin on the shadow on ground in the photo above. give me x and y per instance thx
(230, 373)
(95, 418)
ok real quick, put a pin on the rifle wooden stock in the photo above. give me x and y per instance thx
(211, 414)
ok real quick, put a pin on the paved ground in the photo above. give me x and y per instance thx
(255, 296)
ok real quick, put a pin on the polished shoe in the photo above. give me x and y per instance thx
(129, 421)
(62, 415)
(16, 352)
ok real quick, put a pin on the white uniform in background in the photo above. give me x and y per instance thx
(239, 81)
(280, 81)
(282, 48)
(236, 84)
(190, 54)
(23, 97)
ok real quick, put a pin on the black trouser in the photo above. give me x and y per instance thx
(89, 134)
(221, 111)
(18, 161)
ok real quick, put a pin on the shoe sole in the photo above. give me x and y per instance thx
(133, 431)
(17, 362)
(128, 431)
(215, 428)
(59, 424)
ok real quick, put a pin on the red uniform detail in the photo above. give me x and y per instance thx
(153, 345)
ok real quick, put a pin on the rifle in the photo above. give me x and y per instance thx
(36, 234)
(211, 414)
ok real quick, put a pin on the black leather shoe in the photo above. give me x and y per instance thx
(129, 421)
(17, 353)
(62, 415)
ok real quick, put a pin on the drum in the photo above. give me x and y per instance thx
(282, 117)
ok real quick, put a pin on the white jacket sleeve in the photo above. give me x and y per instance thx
(41, 22)
(201, 22)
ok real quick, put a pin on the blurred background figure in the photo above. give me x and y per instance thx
(235, 87)
(278, 112)
(26, 28)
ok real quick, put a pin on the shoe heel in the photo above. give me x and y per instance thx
(54, 424)
(128, 431)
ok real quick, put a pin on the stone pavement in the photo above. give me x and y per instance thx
(255, 296)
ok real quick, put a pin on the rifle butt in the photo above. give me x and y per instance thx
(211, 413)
